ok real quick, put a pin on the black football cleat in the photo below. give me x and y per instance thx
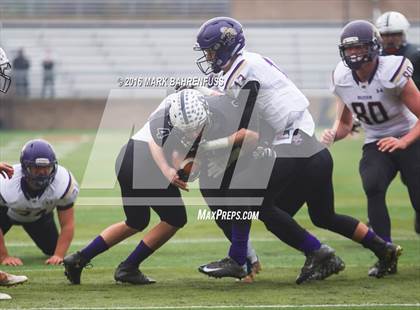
(131, 274)
(227, 267)
(73, 266)
(316, 263)
(331, 266)
(388, 263)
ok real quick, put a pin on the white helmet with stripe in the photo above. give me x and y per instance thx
(392, 22)
(189, 111)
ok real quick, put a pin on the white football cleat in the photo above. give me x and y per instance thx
(4, 296)
(7, 279)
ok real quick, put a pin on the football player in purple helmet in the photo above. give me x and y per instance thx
(36, 187)
(381, 93)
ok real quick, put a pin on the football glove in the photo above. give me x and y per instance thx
(264, 152)
(356, 125)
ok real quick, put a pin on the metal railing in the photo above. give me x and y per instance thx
(133, 9)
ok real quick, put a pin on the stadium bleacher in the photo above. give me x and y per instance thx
(89, 60)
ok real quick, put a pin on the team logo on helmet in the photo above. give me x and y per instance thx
(228, 35)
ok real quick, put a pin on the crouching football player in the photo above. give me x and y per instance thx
(37, 187)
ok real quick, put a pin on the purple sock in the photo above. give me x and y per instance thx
(310, 244)
(375, 243)
(368, 238)
(140, 253)
(387, 239)
(239, 247)
(96, 247)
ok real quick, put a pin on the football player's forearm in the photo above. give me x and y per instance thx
(158, 156)
(245, 138)
(342, 130)
(412, 135)
(64, 241)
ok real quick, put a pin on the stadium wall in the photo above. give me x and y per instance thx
(320, 10)
(41, 114)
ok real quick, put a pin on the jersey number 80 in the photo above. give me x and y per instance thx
(375, 114)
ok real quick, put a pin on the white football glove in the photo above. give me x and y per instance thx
(217, 167)
(264, 152)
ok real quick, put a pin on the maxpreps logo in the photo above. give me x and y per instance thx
(206, 215)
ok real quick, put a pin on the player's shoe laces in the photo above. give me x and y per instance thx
(387, 264)
(7, 279)
(131, 274)
(4, 296)
(320, 264)
(417, 223)
(73, 266)
(226, 267)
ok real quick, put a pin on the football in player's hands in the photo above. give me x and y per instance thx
(189, 169)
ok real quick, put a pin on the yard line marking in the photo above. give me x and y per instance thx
(366, 305)
(198, 240)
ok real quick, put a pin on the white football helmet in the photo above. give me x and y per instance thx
(189, 111)
(392, 22)
(5, 79)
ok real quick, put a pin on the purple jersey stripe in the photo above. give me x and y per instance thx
(233, 72)
(398, 70)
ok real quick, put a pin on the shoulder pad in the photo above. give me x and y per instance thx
(341, 75)
(62, 181)
(395, 71)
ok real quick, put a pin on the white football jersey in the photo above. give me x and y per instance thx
(280, 103)
(62, 192)
(376, 103)
(144, 133)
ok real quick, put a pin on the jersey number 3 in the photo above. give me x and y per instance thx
(377, 113)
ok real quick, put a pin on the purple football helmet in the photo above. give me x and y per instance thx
(35, 154)
(359, 33)
(220, 39)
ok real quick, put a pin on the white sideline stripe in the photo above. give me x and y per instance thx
(195, 241)
(235, 307)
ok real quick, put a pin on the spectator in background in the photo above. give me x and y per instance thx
(393, 28)
(48, 76)
(21, 66)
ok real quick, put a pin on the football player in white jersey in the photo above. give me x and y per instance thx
(144, 187)
(6, 171)
(302, 170)
(38, 186)
(380, 92)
